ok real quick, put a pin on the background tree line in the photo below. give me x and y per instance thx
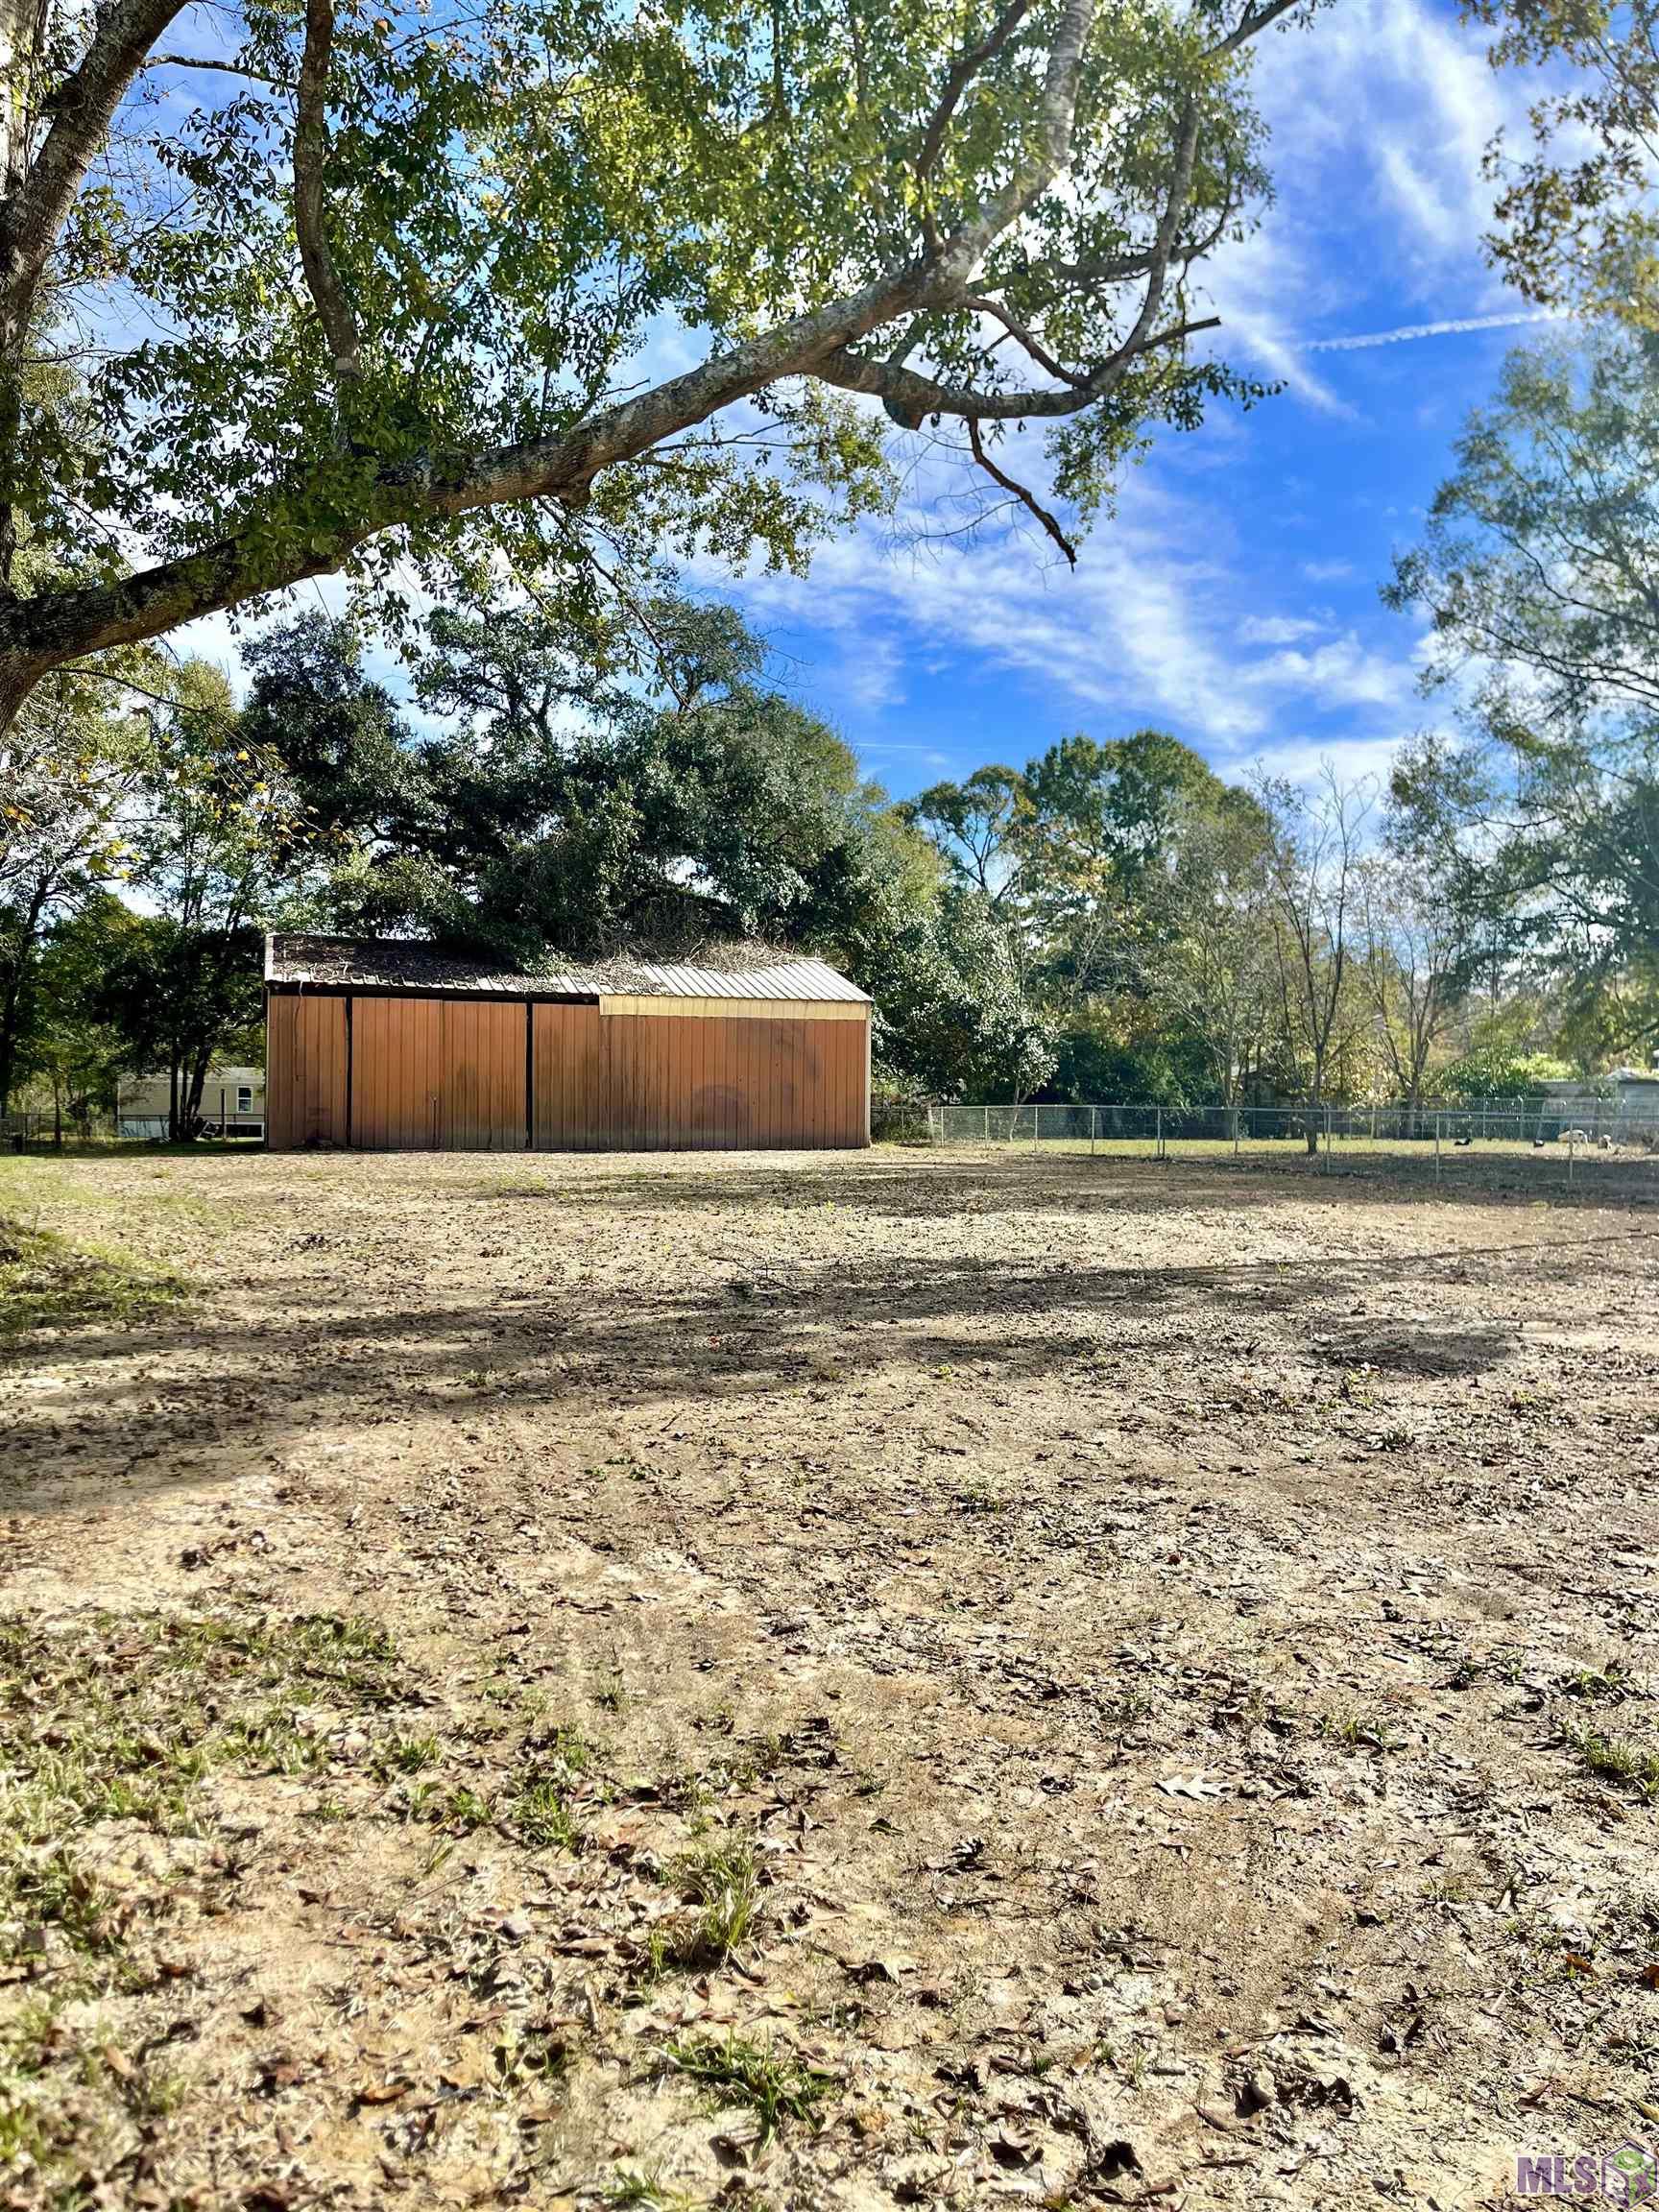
(1111, 920)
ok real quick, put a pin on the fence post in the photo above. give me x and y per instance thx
(1093, 1128)
(1437, 1147)
(1036, 1124)
(1571, 1149)
(1234, 1132)
(987, 1128)
(1159, 1154)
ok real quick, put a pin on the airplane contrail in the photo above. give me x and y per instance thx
(1447, 329)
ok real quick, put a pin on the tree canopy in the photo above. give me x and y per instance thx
(1575, 218)
(1539, 569)
(394, 293)
(552, 812)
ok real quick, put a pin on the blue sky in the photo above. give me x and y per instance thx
(1235, 597)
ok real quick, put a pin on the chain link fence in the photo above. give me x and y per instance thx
(1573, 1142)
(42, 1131)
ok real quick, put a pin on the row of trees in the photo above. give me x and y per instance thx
(1112, 921)
(1180, 939)
(554, 790)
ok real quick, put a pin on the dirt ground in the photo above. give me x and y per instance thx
(807, 1681)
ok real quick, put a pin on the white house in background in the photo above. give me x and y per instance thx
(1637, 1091)
(232, 1103)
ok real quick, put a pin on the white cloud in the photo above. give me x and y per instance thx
(1276, 629)
(1342, 673)
(1156, 623)
(1379, 114)
(1302, 759)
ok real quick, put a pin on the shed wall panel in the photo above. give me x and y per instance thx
(566, 1083)
(304, 1072)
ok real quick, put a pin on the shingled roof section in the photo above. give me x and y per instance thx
(405, 964)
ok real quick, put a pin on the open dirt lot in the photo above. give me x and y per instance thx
(821, 1682)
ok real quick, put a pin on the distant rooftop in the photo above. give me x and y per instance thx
(406, 964)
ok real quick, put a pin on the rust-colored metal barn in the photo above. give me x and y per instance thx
(385, 1045)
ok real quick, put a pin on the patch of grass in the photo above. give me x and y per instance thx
(117, 1775)
(53, 1889)
(979, 1497)
(461, 1808)
(48, 1283)
(613, 1692)
(1597, 1685)
(271, 1742)
(722, 1878)
(633, 2186)
(1355, 1731)
(542, 1814)
(25, 2040)
(1616, 1759)
(409, 1754)
(352, 1655)
(121, 1719)
(772, 2083)
(1125, 1710)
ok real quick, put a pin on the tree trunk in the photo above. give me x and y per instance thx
(172, 1101)
(11, 995)
(198, 1081)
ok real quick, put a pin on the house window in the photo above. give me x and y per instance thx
(244, 1099)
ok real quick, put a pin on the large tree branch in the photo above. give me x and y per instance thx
(1017, 490)
(910, 397)
(224, 68)
(1255, 19)
(37, 196)
(83, 107)
(42, 632)
(960, 256)
(310, 221)
(280, 543)
(1026, 340)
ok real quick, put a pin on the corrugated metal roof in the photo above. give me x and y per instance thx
(405, 964)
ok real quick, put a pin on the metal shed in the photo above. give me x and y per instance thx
(384, 1044)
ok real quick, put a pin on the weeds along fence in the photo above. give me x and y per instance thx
(1539, 1141)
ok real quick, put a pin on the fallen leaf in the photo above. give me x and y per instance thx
(1197, 1784)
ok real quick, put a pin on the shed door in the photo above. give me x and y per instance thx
(430, 1075)
(397, 1079)
(305, 1071)
(482, 1102)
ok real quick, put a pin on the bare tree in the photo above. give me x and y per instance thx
(1313, 861)
(1213, 963)
(1418, 951)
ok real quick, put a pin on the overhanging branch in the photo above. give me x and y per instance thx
(1026, 498)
